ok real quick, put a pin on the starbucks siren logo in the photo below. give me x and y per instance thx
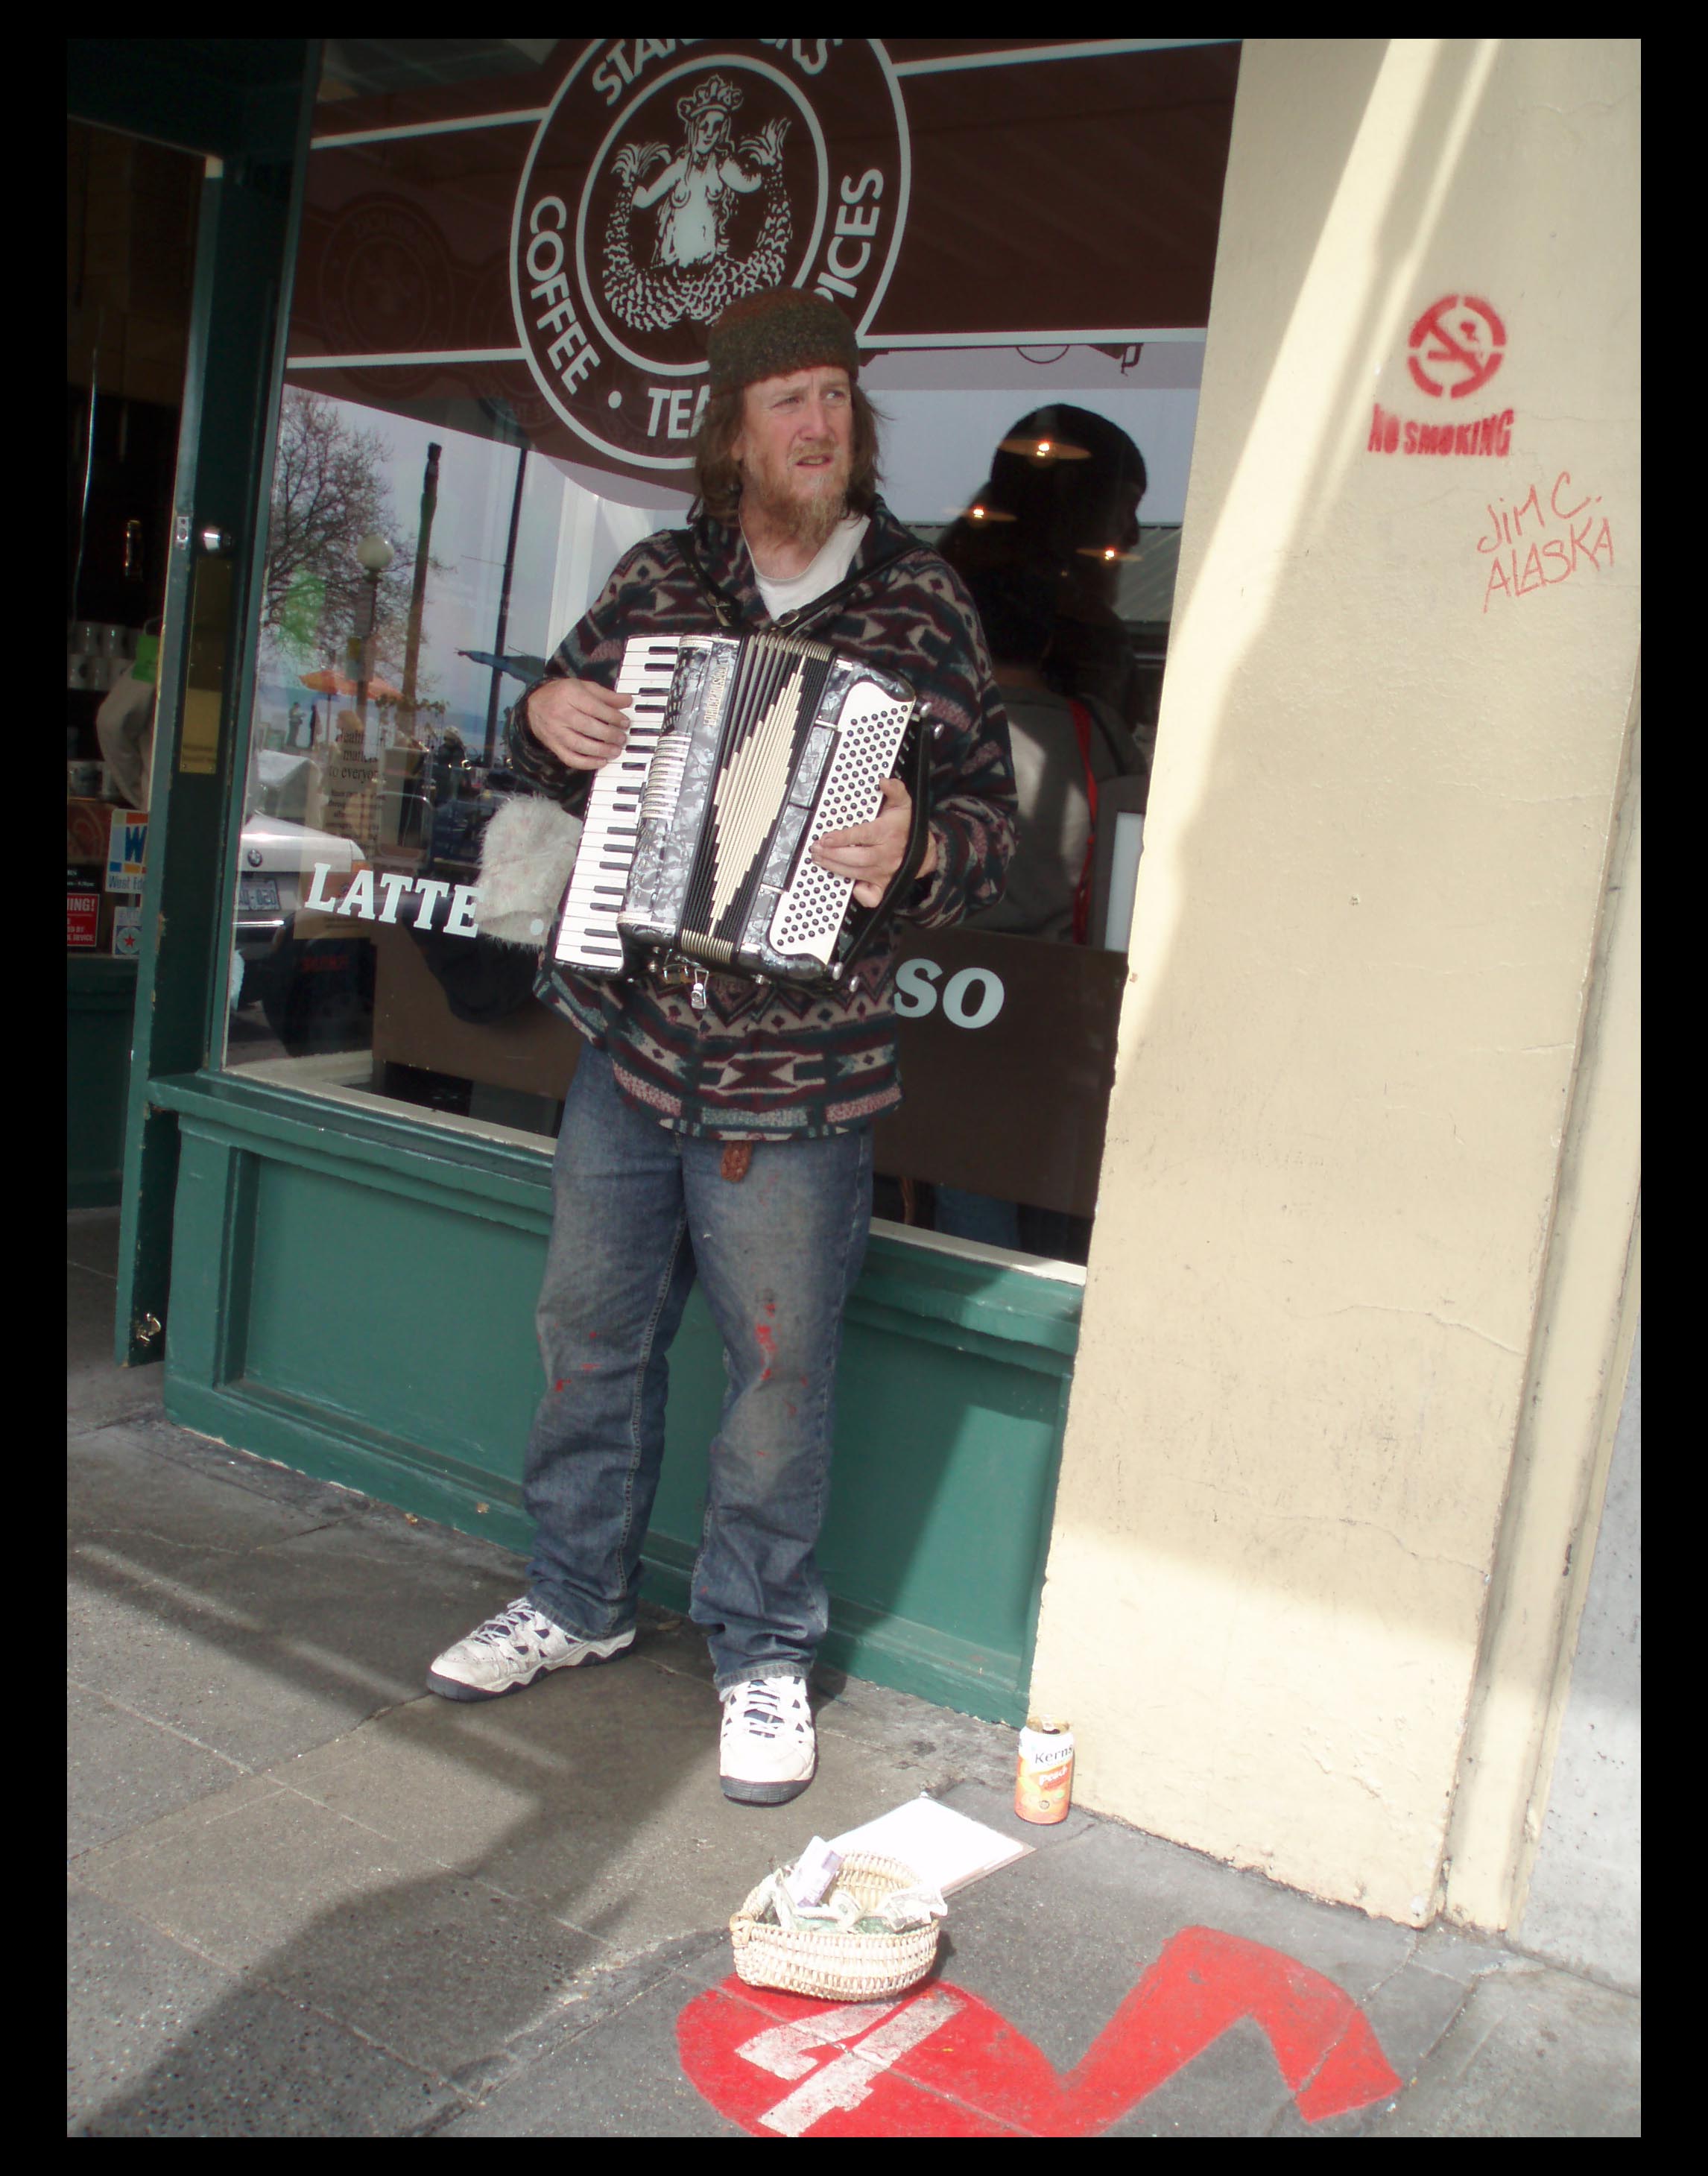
(692, 272)
(664, 184)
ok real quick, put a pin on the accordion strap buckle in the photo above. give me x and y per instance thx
(696, 996)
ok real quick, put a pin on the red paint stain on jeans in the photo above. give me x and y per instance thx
(768, 1345)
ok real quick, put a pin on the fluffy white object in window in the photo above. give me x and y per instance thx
(527, 853)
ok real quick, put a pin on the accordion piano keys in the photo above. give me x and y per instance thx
(587, 936)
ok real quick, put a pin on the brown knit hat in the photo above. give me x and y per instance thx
(773, 334)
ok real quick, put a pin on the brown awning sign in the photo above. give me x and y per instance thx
(563, 241)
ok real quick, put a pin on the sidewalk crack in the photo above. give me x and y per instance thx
(75, 1432)
(157, 1723)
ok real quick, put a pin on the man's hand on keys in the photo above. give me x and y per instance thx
(581, 723)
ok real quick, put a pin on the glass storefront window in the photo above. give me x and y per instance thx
(450, 492)
(418, 575)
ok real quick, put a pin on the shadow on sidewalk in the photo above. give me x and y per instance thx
(366, 1902)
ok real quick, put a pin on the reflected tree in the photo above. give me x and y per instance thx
(330, 488)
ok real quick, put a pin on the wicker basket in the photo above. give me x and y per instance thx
(848, 1967)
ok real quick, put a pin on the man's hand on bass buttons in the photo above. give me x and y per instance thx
(871, 853)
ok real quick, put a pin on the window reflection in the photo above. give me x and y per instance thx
(425, 560)
(1048, 544)
(416, 574)
(1041, 548)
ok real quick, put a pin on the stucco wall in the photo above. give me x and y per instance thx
(1373, 874)
(1584, 1908)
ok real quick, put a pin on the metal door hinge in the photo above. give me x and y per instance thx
(145, 1330)
(209, 537)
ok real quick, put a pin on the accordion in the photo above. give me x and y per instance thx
(695, 852)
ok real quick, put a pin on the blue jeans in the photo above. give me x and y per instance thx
(639, 1212)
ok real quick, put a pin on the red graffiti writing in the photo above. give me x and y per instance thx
(943, 2063)
(1469, 344)
(1538, 543)
(1484, 435)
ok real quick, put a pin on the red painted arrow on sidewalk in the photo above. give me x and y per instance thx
(943, 2063)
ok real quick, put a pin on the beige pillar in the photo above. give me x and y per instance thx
(1375, 861)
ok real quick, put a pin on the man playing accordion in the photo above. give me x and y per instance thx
(730, 1140)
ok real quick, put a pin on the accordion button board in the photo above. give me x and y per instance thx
(743, 751)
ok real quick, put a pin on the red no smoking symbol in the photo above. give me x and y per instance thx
(1461, 338)
(944, 2064)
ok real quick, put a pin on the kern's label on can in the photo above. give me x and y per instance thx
(1044, 1772)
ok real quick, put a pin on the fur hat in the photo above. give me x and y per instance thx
(771, 334)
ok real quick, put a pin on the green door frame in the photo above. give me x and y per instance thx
(246, 105)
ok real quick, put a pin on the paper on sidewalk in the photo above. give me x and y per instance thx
(944, 1848)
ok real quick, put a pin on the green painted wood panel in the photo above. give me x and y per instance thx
(352, 1289)
(355, 1295)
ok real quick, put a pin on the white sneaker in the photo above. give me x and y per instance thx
(511, 1651)
(767, 1749)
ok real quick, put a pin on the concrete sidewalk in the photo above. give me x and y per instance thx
(309, 1900)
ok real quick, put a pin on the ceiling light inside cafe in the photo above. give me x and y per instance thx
(1041, 453)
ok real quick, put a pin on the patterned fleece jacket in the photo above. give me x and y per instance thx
(789, 1064)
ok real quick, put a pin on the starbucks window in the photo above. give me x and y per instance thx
(510, 253)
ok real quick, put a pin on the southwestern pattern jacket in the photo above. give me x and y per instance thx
(790, 1064)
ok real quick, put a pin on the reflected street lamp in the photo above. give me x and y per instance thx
(375, 555)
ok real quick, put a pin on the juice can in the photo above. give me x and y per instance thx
(1044, 1772)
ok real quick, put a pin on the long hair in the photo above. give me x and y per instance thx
(718, 478)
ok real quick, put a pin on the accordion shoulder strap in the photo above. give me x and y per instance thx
(723, 611)
(728, 615)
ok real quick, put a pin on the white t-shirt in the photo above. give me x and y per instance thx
(827, 570)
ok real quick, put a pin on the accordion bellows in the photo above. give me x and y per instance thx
(743, 751)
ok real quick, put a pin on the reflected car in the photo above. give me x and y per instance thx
(276, 861)
(317, 993)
